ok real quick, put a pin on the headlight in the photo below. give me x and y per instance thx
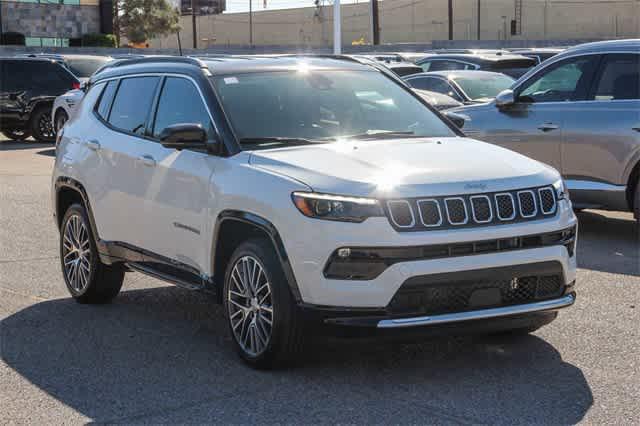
(336, 207)
(561, 190)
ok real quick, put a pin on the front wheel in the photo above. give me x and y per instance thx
(262, 315)
(87, 278)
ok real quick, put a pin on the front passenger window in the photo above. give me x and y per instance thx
(180, 103)
(565, 81)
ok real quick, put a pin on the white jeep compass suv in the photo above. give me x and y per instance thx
(305, 191)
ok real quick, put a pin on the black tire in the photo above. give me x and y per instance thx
(286, 338)
(61, 118)
(103, 282)
(16, 134)
(41, 126)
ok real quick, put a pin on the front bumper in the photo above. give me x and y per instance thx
(481, 314)
(310, 251)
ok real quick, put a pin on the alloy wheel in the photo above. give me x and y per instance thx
(46, 128)
(249, 304)
(76, 253)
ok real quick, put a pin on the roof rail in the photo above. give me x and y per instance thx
(166, 59)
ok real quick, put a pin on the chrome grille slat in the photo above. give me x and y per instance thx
(475, 207)
(527, 203)
(452, 206)
(547, 200)
(428, 210)
(401, 224)
(502, 209)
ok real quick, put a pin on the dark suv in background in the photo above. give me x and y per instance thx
(28, 87)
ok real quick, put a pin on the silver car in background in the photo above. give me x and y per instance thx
(579, 112)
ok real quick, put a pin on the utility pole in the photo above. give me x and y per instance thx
(375, 22)
(251, 22)
(193, 23)
(450, 19)
(337, 31)
(478, 25)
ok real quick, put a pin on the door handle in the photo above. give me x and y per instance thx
(93, 145)
(147, 160)
(546, 127)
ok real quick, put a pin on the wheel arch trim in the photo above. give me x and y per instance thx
(268, 228)
(70, 183)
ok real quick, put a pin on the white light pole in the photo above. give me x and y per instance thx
(337, 32)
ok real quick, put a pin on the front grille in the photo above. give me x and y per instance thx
(472, 210)
(416, 298)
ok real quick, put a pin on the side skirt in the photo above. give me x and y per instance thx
(156, 266)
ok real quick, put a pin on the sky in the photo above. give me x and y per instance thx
(243, 5)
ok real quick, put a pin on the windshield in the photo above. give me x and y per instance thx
(321, 106)
(85, 67)
(484, 87)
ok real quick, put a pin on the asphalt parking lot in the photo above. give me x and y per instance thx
(160, 354)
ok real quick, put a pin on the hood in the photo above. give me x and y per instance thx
(406, 167)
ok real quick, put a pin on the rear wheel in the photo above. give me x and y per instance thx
(87, 278)
(16, 134)
(41, 126)
(261, 313)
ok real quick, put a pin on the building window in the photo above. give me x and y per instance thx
(46, 42)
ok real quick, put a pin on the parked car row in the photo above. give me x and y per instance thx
(24, 103)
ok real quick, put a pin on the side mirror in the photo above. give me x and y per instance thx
(457, 119)
(505, 98)
(186, 136)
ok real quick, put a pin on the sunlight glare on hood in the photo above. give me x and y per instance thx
(393, 175)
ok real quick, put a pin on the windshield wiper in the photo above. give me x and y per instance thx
(381, 134)
(277, 139)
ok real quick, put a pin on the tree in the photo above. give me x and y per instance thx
(141, 20)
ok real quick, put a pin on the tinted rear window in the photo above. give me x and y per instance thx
(132, 103)
(85, 67)
(48, 77)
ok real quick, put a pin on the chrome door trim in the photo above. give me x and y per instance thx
(587, 185)
(547, 305)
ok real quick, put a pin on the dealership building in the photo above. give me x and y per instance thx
(54, 22)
